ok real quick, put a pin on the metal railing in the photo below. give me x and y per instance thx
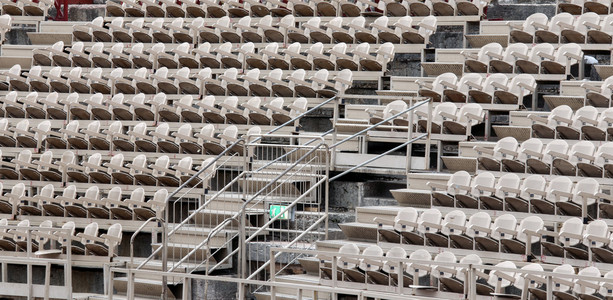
(44, 238)
(424, 275)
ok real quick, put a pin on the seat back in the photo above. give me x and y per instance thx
(508, 143)
(582, 147)
(518, 90)
(580, 24)
(532, 223)
(506, 221)
(572, 226)
(564, 50)
(494, 48)
(560, 146)
(563, 111)
(604, 148)
(437, 85)
(459, 178)
(532, 182)
(580, 285)
(445, 257)
(391, 267)
(455, 217)
(519, 48)
(409, 214)
(589, 186)
(481, 219)
(463, 86)
(431, 216)
(510, 180)
(545, 48)
(351, 249)
(563, 269)
(447, 107)
(561, 17)
(420, 254)
(496, 281)
(91, 230)
(114, 231)
(485, 179)
(372, 250)
(534, 18)
(560, 184)
(430, 21)
(532, 144)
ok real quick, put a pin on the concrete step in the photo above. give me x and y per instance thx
(156, 265)
(366, 214)
(177, 251)
(285, 186)
(212, 218)
(356, 231)
(191, 234)
(291, 293)
(150, 288)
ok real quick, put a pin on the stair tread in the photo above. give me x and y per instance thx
(155, 263)
(178, 245)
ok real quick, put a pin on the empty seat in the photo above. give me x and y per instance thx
(507, 186)
(551, 32)
(533, 187)
(504, 149)
(479, 62)
(560, 63)
(545, 127)
(458, 183)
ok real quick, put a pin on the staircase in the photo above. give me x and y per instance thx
(231, 227)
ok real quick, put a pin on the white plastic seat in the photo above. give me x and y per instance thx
(585, 193)
(551, 33)
(506, 186)
(582, 117)
(558, 189)
(533, 187)
(545, 127)
(479, 62)
(560, 63)
(566, 163)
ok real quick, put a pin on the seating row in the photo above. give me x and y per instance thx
(90, 205)
(183, 56)
(563, 28)
(86, 243)
(584, 158)
(243, 31)
(26, 7)
(217, 9)
(186, 109)
(143, 81)
(138, 138)
(422, 272)
(559, 196)
(94, 170)
(474, 87)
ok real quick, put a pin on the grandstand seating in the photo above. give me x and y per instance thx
(98, 132)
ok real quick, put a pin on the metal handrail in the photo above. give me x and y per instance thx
(242, 234)
(296, 149)
(138, 231)
(379, 156)
(305, 232)
(418, 104)
(205, 241)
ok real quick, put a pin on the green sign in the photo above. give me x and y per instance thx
(275, 210)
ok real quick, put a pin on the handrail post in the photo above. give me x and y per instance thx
(335, 117)
(165, 262)
(409, 154)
